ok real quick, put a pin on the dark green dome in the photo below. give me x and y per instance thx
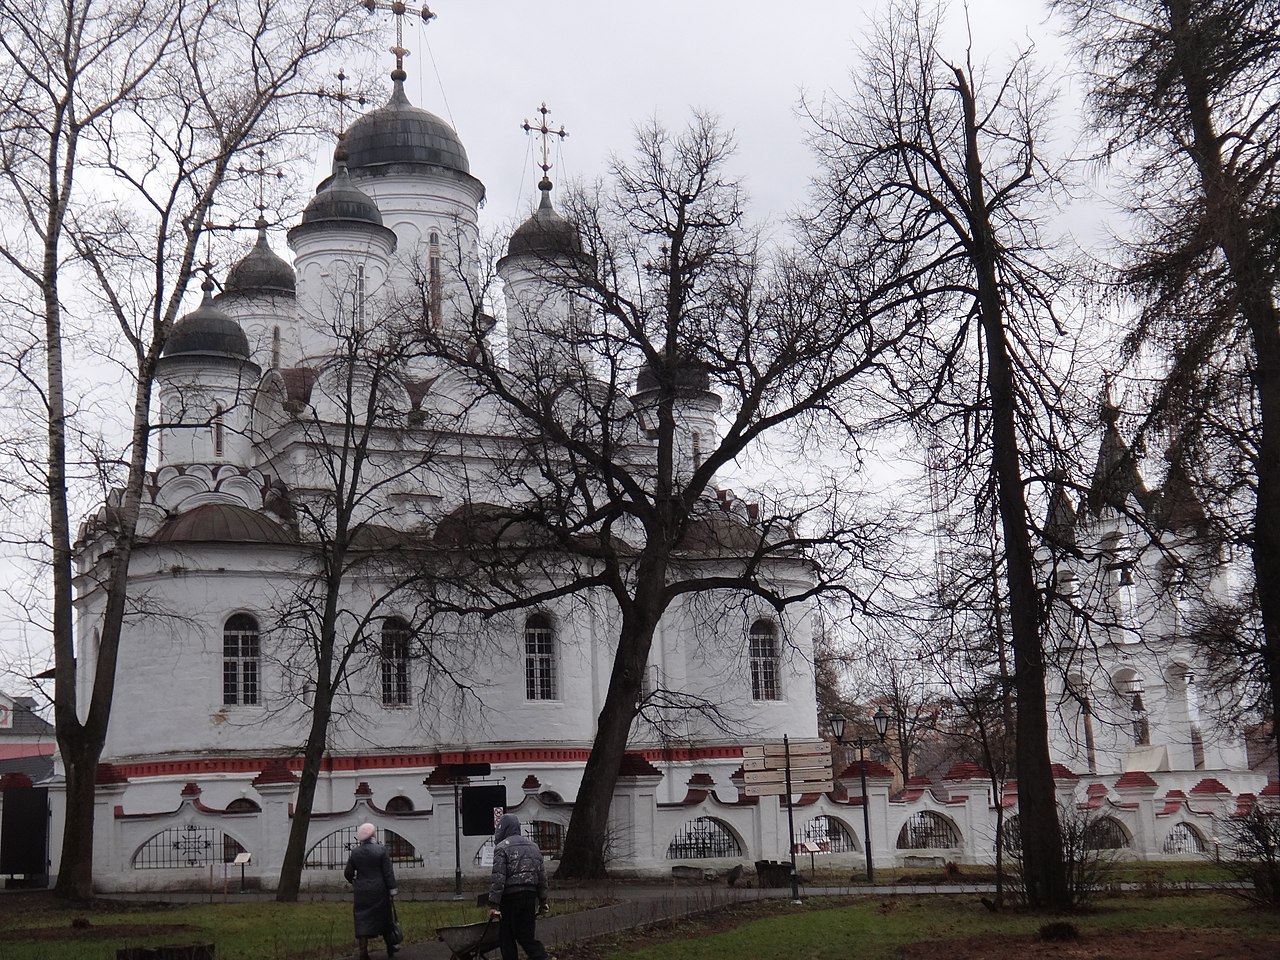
(260, 271)
(340, 199)
(546, 233)
(402, 133)
(207, 330)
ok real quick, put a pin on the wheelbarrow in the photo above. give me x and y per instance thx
(471, 941)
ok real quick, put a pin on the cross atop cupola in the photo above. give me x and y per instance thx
(397, 8)
(545, 128)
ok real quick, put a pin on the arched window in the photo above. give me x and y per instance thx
(927, 830)
(703, 839)
(275, 346)
(434, 297)
(764, 661)
(240, 660)
(1183, 838)
(829, 834)
(219, 439)
(399, 805)
(395, 662)
(539, 658)
(243, 805)
(697, 448)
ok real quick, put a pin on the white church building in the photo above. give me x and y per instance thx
(211, 707)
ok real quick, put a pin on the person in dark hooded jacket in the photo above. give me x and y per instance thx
(518, 889)
(369, 871)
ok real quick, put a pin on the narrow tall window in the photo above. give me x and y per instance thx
(433, 278)
(539, 658)
(697, 448)
(275, 346)
(240, 660)
(764, 661)
(219, 439)
(360, 294)
(395, 662)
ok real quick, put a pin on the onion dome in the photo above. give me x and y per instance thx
(222, 523)
(341, 200)
(207, 331)
(690, 377)
(402, 133)
(261, 271)
(546, 233)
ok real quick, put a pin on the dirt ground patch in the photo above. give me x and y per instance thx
(1147, 945)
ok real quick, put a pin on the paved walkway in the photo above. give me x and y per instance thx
(644, 905)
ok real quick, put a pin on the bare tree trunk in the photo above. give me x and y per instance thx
(584, 856)
(1037, 803)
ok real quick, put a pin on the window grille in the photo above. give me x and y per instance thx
(218, 437)
(703, 839)
(240, 660)
(549, 837)
(764, 661)
(927, 830)
(189, 846)
(395, 662)
(331, 852)
(433, 280)
(1105, 834)
(1183, 838)
(1011, 832)
(539, 658)
(360, 296)
(829, 834)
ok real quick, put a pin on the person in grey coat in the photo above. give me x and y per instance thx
(517, 889)
(369, 871)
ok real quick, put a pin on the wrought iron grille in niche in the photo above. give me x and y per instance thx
(927, 830)
(1105, 834)
(1183, 839)
(330, 853)
(703, 839)
(189, 846)
(829, 834)
(548, 836)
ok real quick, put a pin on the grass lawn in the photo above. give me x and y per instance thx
(37, 927)
(880, 928)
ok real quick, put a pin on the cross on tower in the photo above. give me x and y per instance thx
(261, 171)
(398, 9)
(342, 97)
(545, 130)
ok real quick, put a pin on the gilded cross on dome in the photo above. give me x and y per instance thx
(546, 130)
(398, 9)
(261, 171)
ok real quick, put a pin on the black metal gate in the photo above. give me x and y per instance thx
(24, 837)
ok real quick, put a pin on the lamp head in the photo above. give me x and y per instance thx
(837, 722)
(881, 720)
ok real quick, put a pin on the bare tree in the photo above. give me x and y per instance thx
(1185, 95)
(660, 284)
(932, 186)
(121, 124)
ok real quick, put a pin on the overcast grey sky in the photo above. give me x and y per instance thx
(603, 65)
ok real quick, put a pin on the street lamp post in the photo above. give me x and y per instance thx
(881, 720)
